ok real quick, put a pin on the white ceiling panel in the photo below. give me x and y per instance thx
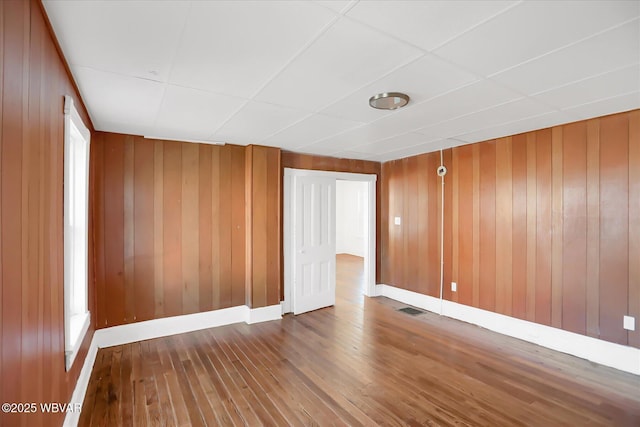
(503, 113)
(604, 107)
(608, 51)
(427, 24)
(532, 29)
(338, 6)
(195, 113)
(422, 79)
(254, 121)
(416, 149)
(311, 129)
(342, 60)
(409, 139)
(126, 37)
(519, 126)
(618, 82)
(234, 47)
(299, 74)
(121, 101)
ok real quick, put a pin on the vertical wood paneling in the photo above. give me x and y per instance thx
(238, 226)
(129, 238)
(593, 228)
(144, 221)
(411, 222)
(504, 230)
(185, 242)
(518, 281)
(543, 225)
(574, 235)
(215, 229)
(158, 227)
(532, 222)
(172, 233)
(464, 172)
(433, 254)
(475, 234)
(634, 225)
(455, 215)
(33, 82)
(205, 287)
(557, 221)
(614, 223)
(113, 204)
(190, 231)
(423, 231)
(274, 231)
(488, 226)
(225, 226)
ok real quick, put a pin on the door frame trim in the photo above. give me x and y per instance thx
(287, 229)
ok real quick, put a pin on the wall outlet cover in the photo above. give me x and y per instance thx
(454, 287)
(397, 220)
(629, 323)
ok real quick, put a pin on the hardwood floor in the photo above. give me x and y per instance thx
(359, 363)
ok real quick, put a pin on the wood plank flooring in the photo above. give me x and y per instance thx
(359, 363)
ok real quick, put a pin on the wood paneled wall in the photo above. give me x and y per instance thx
(542, 226)
(308, 161)
(33, 82)
(175, 226)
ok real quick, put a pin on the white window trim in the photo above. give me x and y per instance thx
(77, 322)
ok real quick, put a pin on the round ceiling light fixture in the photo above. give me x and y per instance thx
(389, 100)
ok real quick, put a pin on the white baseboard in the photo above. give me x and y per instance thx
(617, 356)
(140, 331)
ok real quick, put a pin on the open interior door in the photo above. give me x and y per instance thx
(314, 278)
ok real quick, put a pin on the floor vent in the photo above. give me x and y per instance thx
(411, 311)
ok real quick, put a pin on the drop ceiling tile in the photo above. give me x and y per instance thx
(394, 143)
(422, 79)
(532, 29)
(193, 114)
(427, 147)
(427, 24)
(504, 113)
(343, 59)
(519, 126)
(606, 52)
(616, 104)
(337, 6)
(311, 129)
(255, 120)
(603, 86)
(235, 47)
(117, 99)
(135, 38)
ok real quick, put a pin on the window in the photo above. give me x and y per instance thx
(76, 206)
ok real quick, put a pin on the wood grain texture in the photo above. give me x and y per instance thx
(305, 370)
(173, 222)
(541, 226)
(33, 82)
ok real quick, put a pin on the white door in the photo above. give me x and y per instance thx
(314, 284)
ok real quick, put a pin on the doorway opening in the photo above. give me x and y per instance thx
(311, 239)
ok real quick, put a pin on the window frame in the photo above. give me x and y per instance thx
(77, 317)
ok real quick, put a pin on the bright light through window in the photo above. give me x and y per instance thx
(76, 190)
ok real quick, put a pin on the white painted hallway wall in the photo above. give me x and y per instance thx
(351, 205)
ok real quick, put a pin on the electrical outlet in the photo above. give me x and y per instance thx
(397, 220)
(629, 323)
(454, 287)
